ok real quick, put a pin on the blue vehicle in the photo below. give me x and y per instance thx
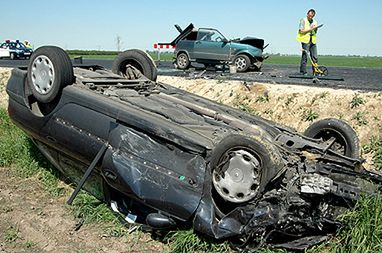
(209, 47)
(15, 50)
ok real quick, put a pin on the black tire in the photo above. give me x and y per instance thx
(182, 61)
(346, 143)
(60, 66)
(139, 60)
(242, 63)
(266, 154)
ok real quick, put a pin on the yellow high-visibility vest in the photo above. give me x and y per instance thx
(305, 38)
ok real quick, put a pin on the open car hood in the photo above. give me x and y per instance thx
(252, 41)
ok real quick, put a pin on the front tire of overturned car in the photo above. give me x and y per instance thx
(346, 141)
(241, 167)
(242, 62)
(49, 71)
(137, 59)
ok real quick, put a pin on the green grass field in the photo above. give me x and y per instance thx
(333, 61)
(327, 60)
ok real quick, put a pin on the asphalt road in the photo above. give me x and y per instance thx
(353, 78)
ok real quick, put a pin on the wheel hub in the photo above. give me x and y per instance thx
(182, 61)
(239, 182)
(42, 74)
(240, 63)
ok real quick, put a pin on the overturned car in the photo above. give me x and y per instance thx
(209, 47)
(171, 158)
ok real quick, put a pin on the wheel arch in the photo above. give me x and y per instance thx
(183, 51)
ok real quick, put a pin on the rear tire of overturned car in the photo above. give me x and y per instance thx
(182, 61)
(137, 59)
(346, 139)
(241, 167)
(49, 71)
(242, 62)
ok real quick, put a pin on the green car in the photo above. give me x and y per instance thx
(209, 47)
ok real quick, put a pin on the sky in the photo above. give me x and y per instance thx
(351, 27)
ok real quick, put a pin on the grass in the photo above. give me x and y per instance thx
(247, 108)
(91, 210)
(11, 234)
(375, 147)
(362, 230)
(184, 241)
(332, 61)
(262, 99)
(28, 244)
(17, 150)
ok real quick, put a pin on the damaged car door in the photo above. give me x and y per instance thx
(211, 45)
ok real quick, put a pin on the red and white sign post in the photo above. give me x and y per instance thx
(159, 46)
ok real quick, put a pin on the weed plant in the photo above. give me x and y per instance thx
(309, 115)
(375, 147)
(11, 234)
(356, 101)
(360, 118)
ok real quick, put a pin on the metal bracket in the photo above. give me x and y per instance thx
(87, 173)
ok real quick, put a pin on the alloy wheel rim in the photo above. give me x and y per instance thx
(182, 61)
(42, 74)
(240, 63)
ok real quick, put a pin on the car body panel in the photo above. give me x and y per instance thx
(4, 52)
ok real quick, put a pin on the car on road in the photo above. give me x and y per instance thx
(168, 158)
(15, 50)
(210, 47)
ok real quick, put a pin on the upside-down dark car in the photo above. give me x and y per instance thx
(172, 158)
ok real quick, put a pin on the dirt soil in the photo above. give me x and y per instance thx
(33, 221)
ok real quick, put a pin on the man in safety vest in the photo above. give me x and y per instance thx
(27, 44)
(308, 38)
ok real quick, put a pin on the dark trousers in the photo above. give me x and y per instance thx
(312, 49)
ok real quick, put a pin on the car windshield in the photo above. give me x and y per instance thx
(14, 45)
(210, 35)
